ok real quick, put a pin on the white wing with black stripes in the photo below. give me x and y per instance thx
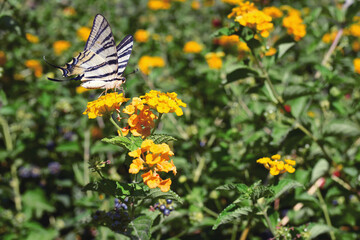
(101, 64)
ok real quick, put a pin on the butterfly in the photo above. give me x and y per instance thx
(102, 63)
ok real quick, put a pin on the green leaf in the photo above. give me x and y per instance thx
(295, 91)
(282, 187)
(36, 201)
(298, 105)
(140, 227)
(318, 229)
(161, 138)
(240, 73)
(68, 147)
(156, 193)
(114, 188)
(284, 47)
(319, 170)
(227, 215)
(342, 127)
(221, 32)
(131, 143)
(228, 187)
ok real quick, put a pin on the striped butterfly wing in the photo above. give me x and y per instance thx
(124, 49)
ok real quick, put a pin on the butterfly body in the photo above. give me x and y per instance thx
(102, 63)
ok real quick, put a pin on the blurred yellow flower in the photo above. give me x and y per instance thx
(355, 46)
(83, 33)
(232, 2)
(270, 52)
(34, 65)
(357, 65)
(229, 40)
(159, 4)
(148, 62)
(294, 24)
(60, 46)
(192, 47)
(163, 102)
(141, 35)
(354, 30)
(2, 58)
(276, 166)
(214, 59)
(311, 114)
(243, 47)
(69, 11)
(31, 38)
(242, 9)
(209, 3)
(156, 37)
(329, 37)
(273, 12)
(195, 4)
(169, 38)
(104, 104)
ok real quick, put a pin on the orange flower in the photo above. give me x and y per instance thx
(192, 47)
(83, 33)
(60, 46)
(294, 24)
(357, 65)
(229, 40)
(141, 35)
(146, 63)
(270, 52)
(31, 38)
(153, 158)
(257, 20)
(159, 4)
(35, 65)
(276, 166)
(214, 60)
(273, 12)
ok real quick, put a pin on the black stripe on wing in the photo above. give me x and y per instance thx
(124, 49)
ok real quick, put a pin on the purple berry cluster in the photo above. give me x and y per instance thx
(164, 207)
(30, 171)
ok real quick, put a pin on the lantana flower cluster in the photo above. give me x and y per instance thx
(277, 166)
(294, 23)
(146, 63)
(153, 158)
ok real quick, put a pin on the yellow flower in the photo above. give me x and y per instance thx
(153, 158)
(311, 114)
(31, 38)
(273, 12)
(35, 65)
(195, 5)
(141, 35)
(83, 33)
(159, 4)
(294, 24)
(169, 38)
(355, 46)
(357, 65)
(2, 58)
(192, 47)
(229, 40)
(277, 166)
(232, 2)
(209, 3)
(214, 60)
(148, 62)
(60, 46)
(243, 47)
(105, 104)
(69, 11)
(271, 51)
(242, 9)
(257, 20)
(156, 37)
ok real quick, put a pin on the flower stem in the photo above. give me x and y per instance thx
(326, 213)
(246, 230)
(157, 123)
(115, 124)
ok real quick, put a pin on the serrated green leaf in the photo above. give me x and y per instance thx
(320, 168)
(131, 143)
(140, 227)
(227, 216)
(318, 229)
(240, 73)
(282, 187)
(342, 128)
(161, 138)
(221, 32)
(284, 47)
(156, 193)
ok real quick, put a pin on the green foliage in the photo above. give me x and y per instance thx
(130, 143)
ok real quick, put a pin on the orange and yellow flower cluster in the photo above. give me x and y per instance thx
(354, 28)
(273, 12)
(141, 35)
(146, 63)
(294, 23)
(214, 59)
(357, 65)
(31, 38)
(105, 104)
(277, 166)
(159, 4)
(153, 158)
(61, 46)
(83, 33)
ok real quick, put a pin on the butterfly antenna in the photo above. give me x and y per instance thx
(135, 71)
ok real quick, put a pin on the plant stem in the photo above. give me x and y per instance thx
(210, 212)
(326, 213)
(86, 158)
(157, 123)
(115, 124)
(268, 222)
(7, 136)
(246, 230)
(234, 230)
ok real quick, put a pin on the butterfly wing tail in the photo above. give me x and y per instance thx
(65, 71)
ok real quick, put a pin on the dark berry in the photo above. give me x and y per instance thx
(168, 201)
(124, 206)
(117, 200)
(162, 207)
(166, 212)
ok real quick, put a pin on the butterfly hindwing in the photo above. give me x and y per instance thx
(124, 49)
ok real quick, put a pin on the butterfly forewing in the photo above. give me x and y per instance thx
(124, 49)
